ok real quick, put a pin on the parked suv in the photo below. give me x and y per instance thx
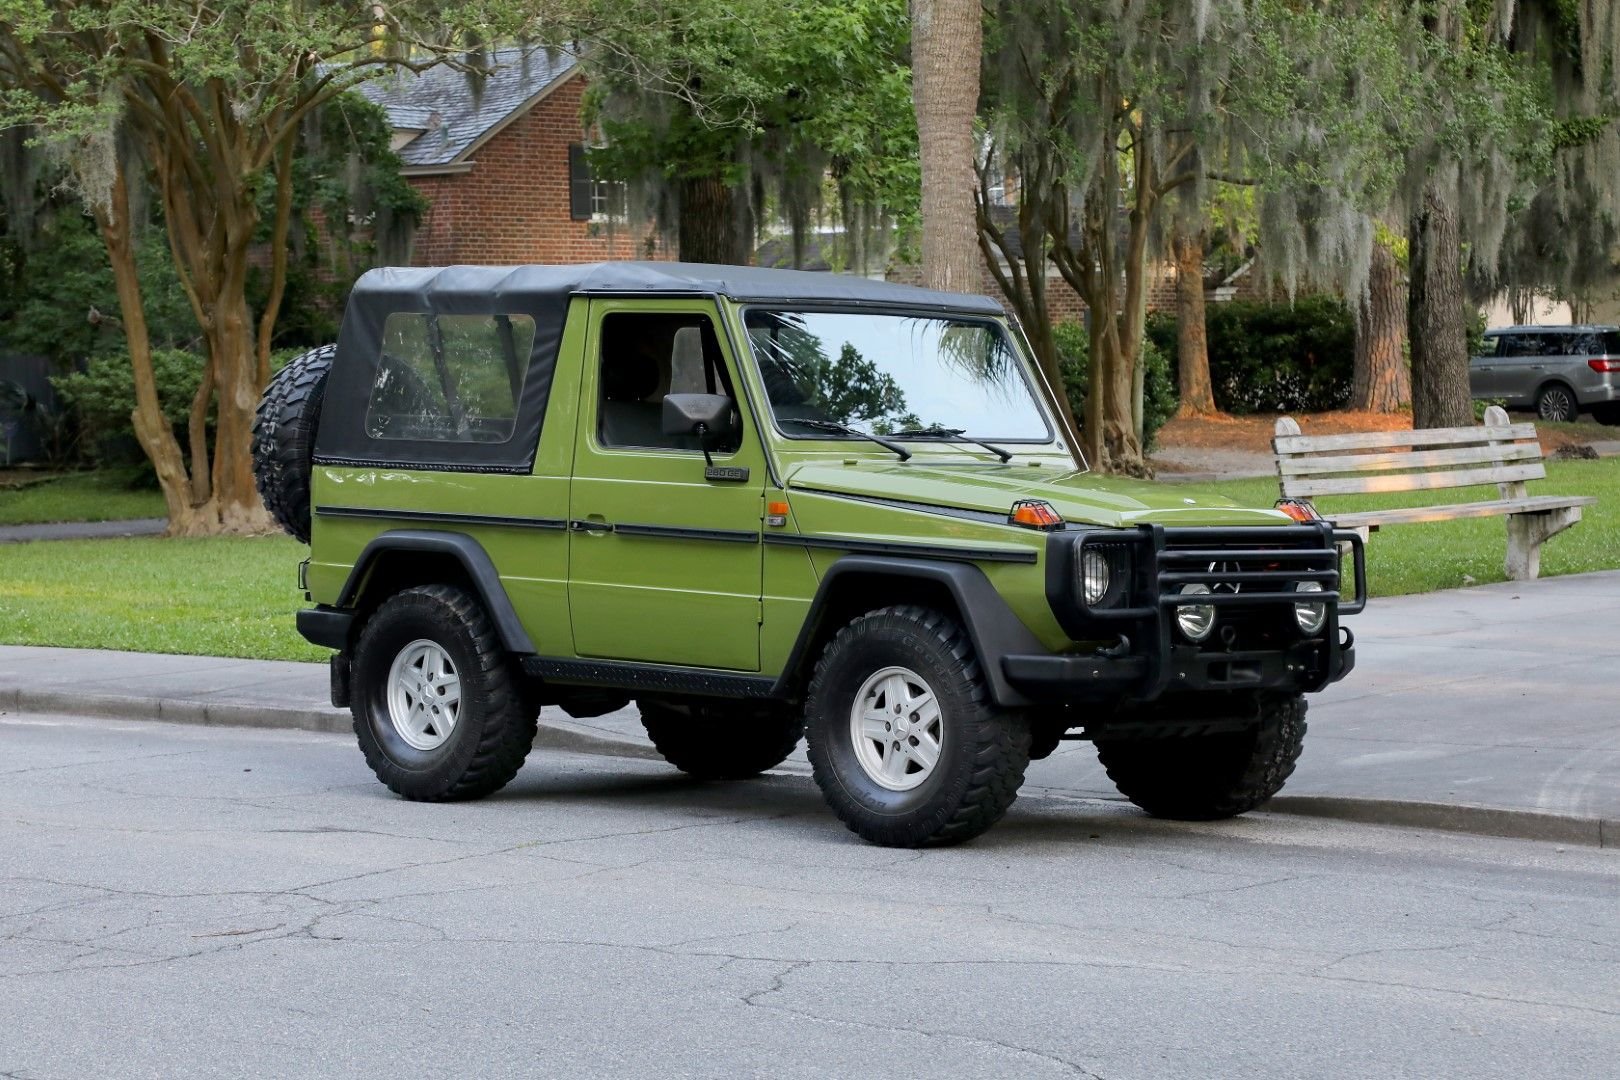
(1560, 370)
(762, 505)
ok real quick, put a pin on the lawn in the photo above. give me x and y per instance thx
(91, 496)
(236, 597)
(218, 596)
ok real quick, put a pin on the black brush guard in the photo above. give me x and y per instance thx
(1258, 566)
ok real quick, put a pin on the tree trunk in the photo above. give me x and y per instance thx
(1381, 383)
(152, 428)
(708, 231)
(1192, 337)
(1439, 337)
(945, 46)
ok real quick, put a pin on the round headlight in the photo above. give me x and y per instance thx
(1095, 577)
(1195, 621)
(1310, 617)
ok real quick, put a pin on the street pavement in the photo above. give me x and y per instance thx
(1499, 697)
(188, 901)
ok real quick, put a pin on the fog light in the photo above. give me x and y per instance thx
(1310, 617)
(1095, 576)
(1195, 621)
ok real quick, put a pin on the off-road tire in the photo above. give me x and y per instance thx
(284, 438)
(1214, 776)
(722, 740)
(1045, 737)
(496, 724)
(983, 754)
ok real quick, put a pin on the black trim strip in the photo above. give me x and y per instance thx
(987, 517)
(625, 675)
(925, 551)
(682, 532)
(447, 518)
(419, 466)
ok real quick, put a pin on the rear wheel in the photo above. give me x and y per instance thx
(1556, 403)
(905, 743)
(438, 706)
(1207, 777)
(722, 740)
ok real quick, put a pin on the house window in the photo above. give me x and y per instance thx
(590, 199)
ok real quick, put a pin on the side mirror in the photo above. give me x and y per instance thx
(711, 417)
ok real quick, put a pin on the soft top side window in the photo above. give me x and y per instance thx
(449, 378)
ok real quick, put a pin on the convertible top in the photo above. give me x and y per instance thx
(659, 278)
(540, 295)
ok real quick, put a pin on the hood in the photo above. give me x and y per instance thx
(1080, 497)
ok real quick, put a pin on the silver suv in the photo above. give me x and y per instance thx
(1561, 370)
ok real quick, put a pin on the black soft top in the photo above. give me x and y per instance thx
(749, 283)
(542, 294)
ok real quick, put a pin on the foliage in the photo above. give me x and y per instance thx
(102, 395)
(1275, 357)
(767, 96)
(1159, 391)
(850, 389)
(62, 302)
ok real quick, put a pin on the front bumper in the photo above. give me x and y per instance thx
(1253, 572)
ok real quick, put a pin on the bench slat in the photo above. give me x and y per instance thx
(1368, 485)
(1409, 459)
(1497, 508)
(1389, 440)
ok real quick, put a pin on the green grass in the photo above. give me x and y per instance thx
(216, 596)
(236, 597)
(1442, 555)
(93, 496)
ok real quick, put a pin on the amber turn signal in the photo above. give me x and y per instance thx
(1299, 510)
(1034, 514)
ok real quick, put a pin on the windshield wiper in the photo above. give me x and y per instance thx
(946, 434)
(844, 429)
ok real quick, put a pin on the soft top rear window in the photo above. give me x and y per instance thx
(449, 378)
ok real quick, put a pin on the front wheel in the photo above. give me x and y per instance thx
(1219, 775)
(438, 706)
(905, 743)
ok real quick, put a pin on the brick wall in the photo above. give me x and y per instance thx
(513, 205)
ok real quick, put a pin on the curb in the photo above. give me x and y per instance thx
(228, 714)
(1442, 817)
(1455, 817)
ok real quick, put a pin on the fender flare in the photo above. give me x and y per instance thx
(473, 559)
(993, 628)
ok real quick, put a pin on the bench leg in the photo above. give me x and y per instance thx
(1527, 532)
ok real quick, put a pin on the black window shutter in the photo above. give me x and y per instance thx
(580, 184)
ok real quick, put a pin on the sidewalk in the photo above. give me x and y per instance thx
(1494, 709)
(81, 530)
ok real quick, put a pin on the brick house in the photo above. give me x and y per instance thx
(503, 167)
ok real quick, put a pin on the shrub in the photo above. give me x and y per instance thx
(1266, 357)
(1158, 388)
(103, 394)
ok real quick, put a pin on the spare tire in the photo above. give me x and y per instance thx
(284, 438)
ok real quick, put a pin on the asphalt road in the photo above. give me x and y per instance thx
(180, 902)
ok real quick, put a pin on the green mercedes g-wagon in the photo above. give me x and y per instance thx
(764, 504)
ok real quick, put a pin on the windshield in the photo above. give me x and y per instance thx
(891, 374)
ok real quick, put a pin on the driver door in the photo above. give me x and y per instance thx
(665, 562)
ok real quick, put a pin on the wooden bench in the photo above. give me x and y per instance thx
(1498, 452)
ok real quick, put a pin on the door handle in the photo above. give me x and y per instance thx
(590, 526)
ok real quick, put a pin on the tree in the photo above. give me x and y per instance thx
(1102, 115)
(718, 114)
(203, 99)
(1192, 340)
(946, 40)
(1381, 382)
